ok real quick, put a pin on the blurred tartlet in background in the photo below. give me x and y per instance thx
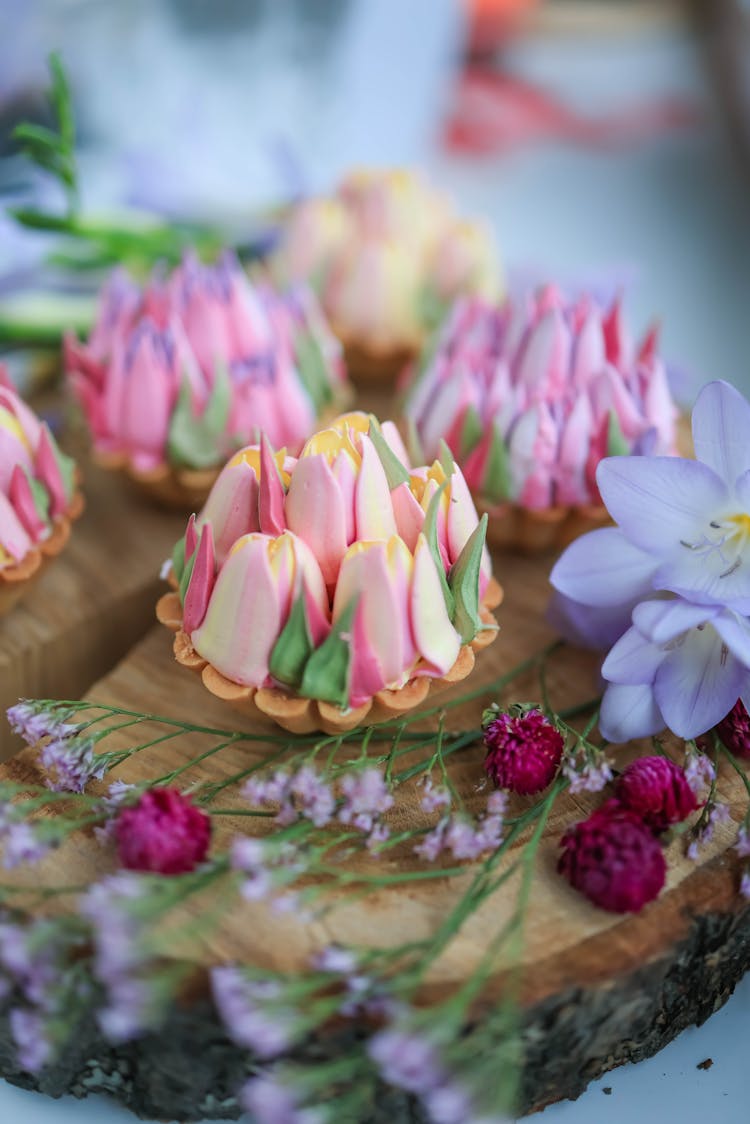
(179, 374)
(39, 496)
(529, 396)
(387, 254)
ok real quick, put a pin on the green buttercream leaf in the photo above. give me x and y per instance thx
(471, 431)
(413, 443)
(187, 574)
(432, 307)
(66, 465)
(40, 496)
(293, 648)
(617, 446)
(196, 442)
(312, 369)
(395, 471)
(496, 482)
(327, 671)
(464, 584)
(429, 530)
(178, 559)
(446, 459)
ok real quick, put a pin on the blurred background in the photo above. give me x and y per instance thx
(607, 142)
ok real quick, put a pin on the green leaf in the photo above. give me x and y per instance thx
(40, 496)
(432, 307)
(471, 432)
(61, 99)
(195, 441)
(66, 465)
(187, 572)
(178, 559)
(38, 136)
(617, 446)
(496, 482)
(446, 459)
(429, 529)
(464, 584)
(413, 443)
(327, 671)
(312, 369)
(395, 472)
(294, 646)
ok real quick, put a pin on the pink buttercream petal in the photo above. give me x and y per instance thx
(408, 513)
(436, 639)
(373, 513)
(243, 619)
(22, 500)
(232, 506)
(533, 456)
(271, 493)
(12, 451)
(315, 511)
(13, 536)
(571, 485)
(544, 363)
(366, 674)
(202, 579)
(379, 575)
(589, 355)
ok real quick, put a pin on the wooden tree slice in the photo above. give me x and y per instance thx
(92, 603)
(597, 989)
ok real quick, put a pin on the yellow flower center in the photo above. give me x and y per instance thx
(329, 443)
(11, 425)
(251, 456)
(741, 522)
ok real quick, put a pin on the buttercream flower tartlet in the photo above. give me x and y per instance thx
(530, 396)
(387, 255)
(178, 375)
(333, 590)
(39, 496)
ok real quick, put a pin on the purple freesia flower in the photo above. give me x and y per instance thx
(679, 665)
(668, 589)
(691, 518)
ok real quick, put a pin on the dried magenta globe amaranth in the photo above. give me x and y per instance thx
(734, 730)
(524, 749)
(614, 859)
(164, 833)
(657, 790)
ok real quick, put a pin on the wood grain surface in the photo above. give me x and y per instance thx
(567, 941)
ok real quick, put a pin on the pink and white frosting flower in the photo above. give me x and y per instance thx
(337, 575)
(37, 481)
(193, 366)
(386, 253)
(532, 394)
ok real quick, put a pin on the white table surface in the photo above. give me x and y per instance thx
(671, 217)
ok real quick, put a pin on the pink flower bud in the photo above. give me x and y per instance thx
(523, 750)
(614, 859)
(164, 833)
(734, 730)
(657, 790)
